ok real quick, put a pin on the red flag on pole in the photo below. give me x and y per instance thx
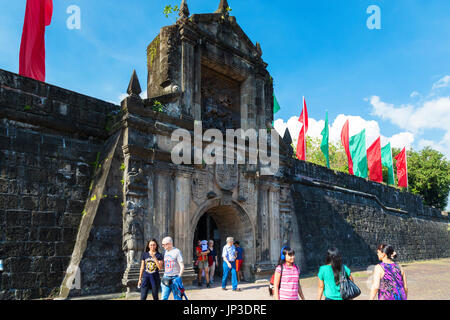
(38, 15)
(301, 143)
(402, 169)
(374, 161)
(345, 139)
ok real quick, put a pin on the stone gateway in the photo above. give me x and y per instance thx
(85, 183)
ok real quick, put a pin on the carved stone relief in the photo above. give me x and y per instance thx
(227, 176)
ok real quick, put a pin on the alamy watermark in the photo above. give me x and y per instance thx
(74, 20)
(74, 279)
(262, 150)
(374, 21)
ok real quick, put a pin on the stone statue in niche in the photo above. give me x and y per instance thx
(133, 236)
(286, 227)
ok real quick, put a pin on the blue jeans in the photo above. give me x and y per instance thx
(165, 290)
(152, 282)
(234, 281)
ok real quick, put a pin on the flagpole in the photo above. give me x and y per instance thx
(406, 161)
(392, 164)
(304, 125)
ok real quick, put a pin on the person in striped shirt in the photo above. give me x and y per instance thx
(287, 277)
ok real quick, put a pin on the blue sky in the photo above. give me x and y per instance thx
(394, 81)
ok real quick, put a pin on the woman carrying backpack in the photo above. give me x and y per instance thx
(329, 273)
(389, 279)
(287, 277)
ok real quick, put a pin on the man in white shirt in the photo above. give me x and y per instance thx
(229, 255)
(173, 267)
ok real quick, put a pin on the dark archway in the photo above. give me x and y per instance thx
(226, 221)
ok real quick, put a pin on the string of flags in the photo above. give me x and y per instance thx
(362, 162)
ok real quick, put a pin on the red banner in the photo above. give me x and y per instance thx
(301, 143)
(374, 161)
(345, 139)
(402, 169)
(38, 14)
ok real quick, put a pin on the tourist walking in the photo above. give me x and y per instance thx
(212, 260)
(173, 268)
(202, 252)
(229, 264)
(152, 262)
(389, 279)
(286, 284)
(239, 260)
(329, 274)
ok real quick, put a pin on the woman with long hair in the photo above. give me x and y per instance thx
(329, 275)
(152, 262)
(286, 284)
(389, 279)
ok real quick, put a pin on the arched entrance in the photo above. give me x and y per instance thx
(222, 221)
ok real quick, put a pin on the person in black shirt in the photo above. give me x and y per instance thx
(152, 262)
(212, 260)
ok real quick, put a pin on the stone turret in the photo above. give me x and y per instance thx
(184, 10)
(204, 67)
(223, 7)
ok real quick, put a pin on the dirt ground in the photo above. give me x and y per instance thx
(427, 280)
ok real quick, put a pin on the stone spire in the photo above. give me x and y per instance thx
(134, 87)
(258, 49)
(287, 137)
(184, 10)
(223, 6)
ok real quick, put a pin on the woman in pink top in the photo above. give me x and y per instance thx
(286, 284)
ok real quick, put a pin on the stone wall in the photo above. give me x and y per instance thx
(355, 215)
(49, 141)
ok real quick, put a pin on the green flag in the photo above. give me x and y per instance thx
(386, 160)
(276, 106)
(324, 144)
(359, 154)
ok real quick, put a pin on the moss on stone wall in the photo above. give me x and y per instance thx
(152, 51)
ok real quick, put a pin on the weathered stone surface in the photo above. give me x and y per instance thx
(84, 182)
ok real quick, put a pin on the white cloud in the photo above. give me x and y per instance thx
(429, 143)
(442, 83)
(433, 114)
(401, 140)
(413, 94)
(430, 115)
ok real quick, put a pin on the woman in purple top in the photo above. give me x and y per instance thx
(389, 279)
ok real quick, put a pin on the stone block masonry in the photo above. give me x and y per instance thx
(49, 140)
(355, 215)
(84, 183)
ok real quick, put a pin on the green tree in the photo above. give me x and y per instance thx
(338, 158)
(428, 176)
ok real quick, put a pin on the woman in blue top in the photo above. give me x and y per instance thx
(152, 262)
(329, 276)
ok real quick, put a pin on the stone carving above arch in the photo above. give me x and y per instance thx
(200, 186)
(227, 176)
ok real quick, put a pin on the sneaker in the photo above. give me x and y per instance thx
(237, 290)
(224, 289)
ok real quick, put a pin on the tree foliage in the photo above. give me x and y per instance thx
(428, 176)
(338, 158)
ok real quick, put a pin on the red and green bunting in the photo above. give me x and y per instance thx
(369, 163)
